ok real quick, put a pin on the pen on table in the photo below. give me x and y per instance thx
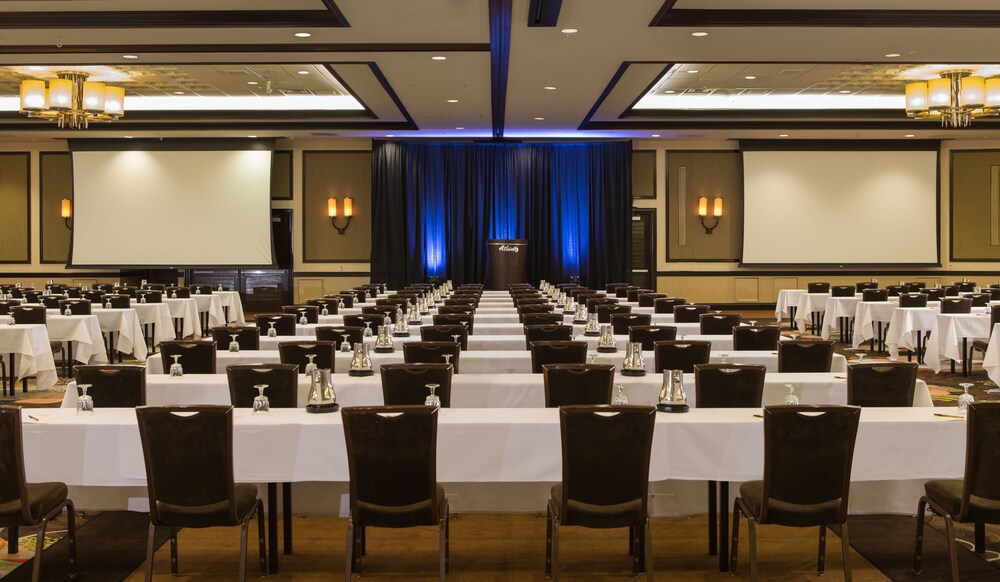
(32, 417)
(948, 416)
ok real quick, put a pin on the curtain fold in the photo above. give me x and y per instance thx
(437, 204)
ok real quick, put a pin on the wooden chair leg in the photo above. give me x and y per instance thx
(949, 526)
(548, 540)
(149, 551)
(752, 526)
(262, 549)
(821, 561)
(173, 551)
(845, 549)
(735, 547)
(918, 546)
(555, 549)
(243, 549)
(648, 550)
(442, 549)
(349, 554)
(71, 537)
(713, 519)
(36, 567)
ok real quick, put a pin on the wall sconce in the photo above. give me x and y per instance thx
(66, 211)
(331, 211)
(703, 212)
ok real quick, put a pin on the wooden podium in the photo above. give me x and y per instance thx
(508, 259)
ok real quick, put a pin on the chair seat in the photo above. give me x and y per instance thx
(419, 513)
(210, 515)
(596, 516)
(42, 498)
(980, 344)
(789, 514)
(948, 494)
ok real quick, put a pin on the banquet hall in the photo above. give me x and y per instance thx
(279, 172)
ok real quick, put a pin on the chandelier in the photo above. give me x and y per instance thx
(956, 98)
(71, 100)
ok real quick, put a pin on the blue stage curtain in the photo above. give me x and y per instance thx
(436, 205)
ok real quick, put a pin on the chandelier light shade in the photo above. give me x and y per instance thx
(957, 97)
(71, 100)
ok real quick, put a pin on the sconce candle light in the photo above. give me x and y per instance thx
(703, 212)
(66, 211)
(331, 211)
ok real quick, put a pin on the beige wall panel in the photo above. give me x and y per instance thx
(55, 183)
(281, 175)
(746, 289)
(775, 284)
(708, 174)
(336, 174)
(319, 286)
(644, 174)
(14, 208)
(974, 217)
(308, 288)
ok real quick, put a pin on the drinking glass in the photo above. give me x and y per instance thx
(456, 337)
(311, 366)
(592, 358)
(197, 290)
(791, 398)
(260, 402)
(345, 346)
(303, 320)
(753, 322)
(271, 332)
(142, 299)
(965, 399)
(68, 311)
(234, 345)
(368, 329)
(620, 398)
(725, 358)
(324, 311)
(432, 398)
(447, 358)
(85, 402)
(860, 353)
(176, 369)
(173, 294)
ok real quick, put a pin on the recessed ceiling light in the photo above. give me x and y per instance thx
(891, 55)
(569, 31)
(252, 83)
(36, 68)
(655, 135)
(128, 137)
(550, 88)
(749, 77)
(178, 92)
(844, 91)
(251, 136)
(782, 135)
(669, 91)
(539, 119)
(459, 128)
(303, 34)
(130, 56)
(439, 58)
(303, 72)
(909, 135)
(699, 33)
(390, 135)
(693, 71)
(452, 100)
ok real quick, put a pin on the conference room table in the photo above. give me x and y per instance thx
(81, 333)
(944, 332)
(788, 300)
(486, 446)
(185, 310)
(487, 361)
(991, 360)
(232, 306)
(122, 326)
(28, 343)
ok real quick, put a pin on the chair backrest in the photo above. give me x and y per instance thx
(594, 302)
(934, 294)
(247, 336)
(156, 286)
(718, 323)
(982, 456)
(915, 285)
(994, 316)
(818, 287)
(632, 295)
(330, 304)
(979, 299)
(556, 352)
(197, 357)
(729, 385)
(994, 293)
(881, 384)
(956, 305)
(685, 313)
(612, 287)
(201, 289)
(118, 301)
(455, 319)
(310, 311)
(808, 451)
(282, 384)
(523, 310)
(406, 384)
(129, 292)
(647, 335)
(604, 312)
(913, 300)
(284, 323)
(622, 292)
(7, 304)
(622, 322)
(455, 310)
(541, 333)
(842, 291)
(756, 337)
(373, 321)
(28, 314)
(51, 301)
(113, 386)
(432, 353)
(861, 287)
(32, 297)
(180, 292)
(13, 486)
(298, 353)
(346, 298)
(189, 458)
(605, 461)
(542, 319)
(335, 333)
(151, 295)
(95, 296)
(647, 299)
(951, 291)
(445, 333)
(805, 356)
(680, 354)
(966, 286)
(569, 384)
(74, 292)
(76, 306)
(895, 290)
(392, 460)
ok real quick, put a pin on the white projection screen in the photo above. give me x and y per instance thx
(840, 207)
(171, 209)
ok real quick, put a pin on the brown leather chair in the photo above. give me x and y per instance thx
(604, 312)
(392, 459)
(284, 323)
(729, 385)
(934, 294)
(817, 287)
(881, 384)
(951, 291)
(455, 310)
(976, 497)
(533, 308)
(546, 333)
(189, 476)
(666, 304)
(874, 295)
(113, 386)
(648, 335)
(542, 319)
(632, 296)
(605, 478)
(571, 384)
(372, 321)
(336, 333)
(805, 356)
(151, 295)
(756, 337)
(611, 288)
(807, 476)
(310, 311)
(406, 384)
(689, 313)
(842, 291)
(594, 302)
(445, 333)
(329, 304)
(982, 344)
(862, 286)
(965, 286)
(979, 299)
(118, 301)
(913, 300)
(76, 306)
(282, 384)
(247, 336)
(200, 289)
(175, 292)
(680, 355)
(29, 504)
(648, 299)
(455, 319)
(556, 352)
(298, 353)
(51, 301)
(432, 353)
(622, 322)
(197, 357)
(956, 305)
(718, 323)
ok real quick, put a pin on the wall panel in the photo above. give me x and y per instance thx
(15, 207)
(975, 205)
(55, 183)
(691, 175)
(337, 174)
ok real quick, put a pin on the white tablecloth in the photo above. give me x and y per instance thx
(808, 304)
(30, 345)
(124, 322)
(211, 304)
(866, 314)
(787, 298)
(187, 310)
(157, 315)
(83, 330)
(836, 308)
(991, 361)
(230, 300)
(953, 327)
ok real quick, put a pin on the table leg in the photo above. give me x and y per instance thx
(980, 537)
(69, 358)
(12, 538)
(272, 527)
(791, 318)
(13, 375)
(723, 526)
(966, 362)
(286, 515)
(712, 519)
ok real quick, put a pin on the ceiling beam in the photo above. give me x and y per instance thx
(174, 19)
(684, 17)
(501, 12)
(116, 49)
(544, 12)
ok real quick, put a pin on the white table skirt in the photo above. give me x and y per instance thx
(837, 308)
(493, 390)
(953, 327)
(83, 330)
(124, 322)
(157, 315)
(234, 306)
(991, 361)
(477, 445)
(186, 310)
(30, 345)
(211, 304)
(787, 298)
(907, 321)
(808, 304)
(866, 314)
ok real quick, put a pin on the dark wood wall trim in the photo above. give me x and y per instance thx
(877, 271)
(410, 124)
(331, 5)
(544, 12)
(175, 19)
(306, 274)
(171, 144)
(150, 49)
(839, 145)
(27, 276)
(679, 17)
(27, 217)
(951, 210)
(501, 13)
(41, 205)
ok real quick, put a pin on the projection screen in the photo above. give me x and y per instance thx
(171, 209)
(840, 207)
